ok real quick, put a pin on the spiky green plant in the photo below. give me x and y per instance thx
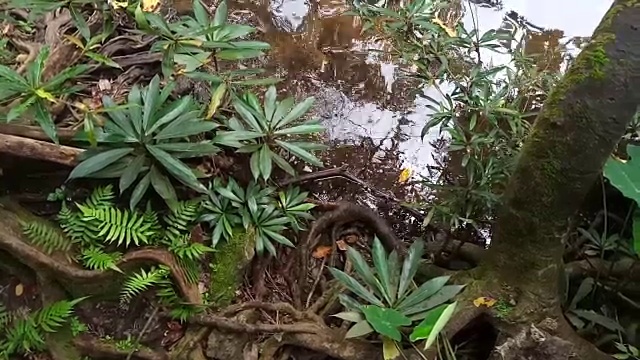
(146, 141)
(265, 131)
(47, 236)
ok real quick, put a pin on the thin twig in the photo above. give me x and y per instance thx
(315, 283)
(143, 331)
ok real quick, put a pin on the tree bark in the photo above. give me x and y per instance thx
(41, 150)
(581, 122)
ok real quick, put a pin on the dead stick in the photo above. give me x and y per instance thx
(35, 132)
(36, 149)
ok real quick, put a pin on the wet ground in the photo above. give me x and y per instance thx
(373, 117)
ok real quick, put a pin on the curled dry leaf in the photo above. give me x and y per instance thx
(321, 252)
(341, 245)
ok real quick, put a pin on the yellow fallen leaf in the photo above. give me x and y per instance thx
(216, 100)
(115, 4)
(405, 174)
(150, 5)
(484, 301)
(389, 349)
(19, 289)
(321, 252)
(75, 41)
(45, 95)
(451, 32)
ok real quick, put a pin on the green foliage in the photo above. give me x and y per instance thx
(141, 281)
(624, 175)
(193, 41)
(228, 267)
(484, 110)
(22, 334)
(257, 209)
(265, 130)
(95, 258)
(390, 298)
(128, 344)
(122, 227)
(32, 94)
(147, 139)
(627, 352)
(46, 236)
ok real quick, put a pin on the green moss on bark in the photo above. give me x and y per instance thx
(228, 266)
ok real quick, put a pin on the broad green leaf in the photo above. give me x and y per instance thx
(150, 101)
(354, 286)
(13, 77)
(254, 165)
(220, 17)
(364, 271)
(410, 267)
(636, 232)
(382, 269)
(303, 154)
(361, 328)
(24, 105)
(625, 175)
(102, 59)
(189, 149)
(134, 101)
(139, 191)
(131, 173)
(283, 164)
(604, 321)
(281, 110)
(423, 330)
(44, 119)
(179, 108)
(200, 12)
(585, 288)
(98, 162)
(394, 274)
(163, 187)
(440, 324)
(265, 161)
(445, 294)
(34, 70)
(297, 111)
(351, 316)
(238, 54)
(302, 130)
(279, 238)
(186, 129)
(386, 321)
(245, 112)
(426, 290)
(270, 104)
(176, 168)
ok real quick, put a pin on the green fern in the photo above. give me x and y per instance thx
(101, 196)
(96, 258)
(76, 228)
(191, 269)
(46, 236)
(77, 326)
(181, 218)
(188, 250)
(24, 335)
(138, 282)
(168, 297)
(121, 226)
(5, 317)
(151, 218)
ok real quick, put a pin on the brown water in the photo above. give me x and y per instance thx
(373, 119)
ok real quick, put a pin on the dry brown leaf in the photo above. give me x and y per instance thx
(321, 252)
(19, 289)
(341, 245)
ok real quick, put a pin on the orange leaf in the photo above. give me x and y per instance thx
(484, 301)
(322, 251)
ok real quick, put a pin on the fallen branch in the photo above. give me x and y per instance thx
(35, 132)
(95, 348)
(624, 268)
(223, 323)
(467, 251)
(36, 149)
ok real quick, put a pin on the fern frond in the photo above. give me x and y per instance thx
(169, 297)
(23, 337)
(191, 269)
(101, 196)
(76, 228)
(141, 281)
(53, 316)
(180, 219)
(46, 236)
(96, 258)
(151, 218)
(183, 312)
(5, 318)
(121, 226)
(192, 251)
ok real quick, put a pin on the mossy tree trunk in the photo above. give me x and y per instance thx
(577, 129)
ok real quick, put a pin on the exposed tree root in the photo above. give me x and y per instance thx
(92, 347)
(41, 150)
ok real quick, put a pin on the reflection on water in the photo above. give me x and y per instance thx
(373, 117)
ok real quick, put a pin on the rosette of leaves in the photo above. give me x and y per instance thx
(265, 132)
(387, 299)
(146, 140)
(34, 95)
(191, 41)
(292, 202)
(228, 206)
